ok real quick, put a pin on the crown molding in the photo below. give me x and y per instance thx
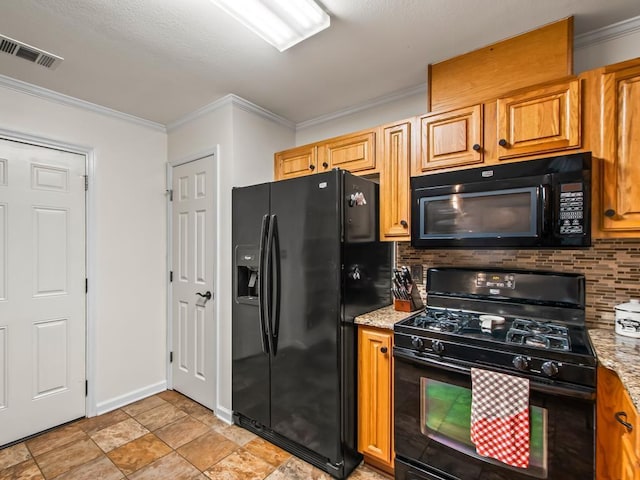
(604, 34)
(236, 101)
(45, 93)
(376, 102)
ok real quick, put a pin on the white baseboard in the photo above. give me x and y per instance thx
(122, 400)
(224, 414)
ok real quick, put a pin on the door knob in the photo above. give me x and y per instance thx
(206, 295)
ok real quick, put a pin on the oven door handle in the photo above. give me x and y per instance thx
(576, 391)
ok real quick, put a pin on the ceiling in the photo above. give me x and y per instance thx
(162, 59)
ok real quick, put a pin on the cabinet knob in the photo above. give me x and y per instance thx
(476, 147)
(621, 417)
(325, 164)
(312, 167)
(404, 223)
(502, 142)
(609, 212)
(383, 350)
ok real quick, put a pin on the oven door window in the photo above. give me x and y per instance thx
(446, 418)
(500, 213)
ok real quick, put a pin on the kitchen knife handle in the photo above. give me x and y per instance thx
(262, 286)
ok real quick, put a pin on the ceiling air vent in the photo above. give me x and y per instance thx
(27, 52)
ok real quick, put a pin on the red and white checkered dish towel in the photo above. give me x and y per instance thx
(500, 416)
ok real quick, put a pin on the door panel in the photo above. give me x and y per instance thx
(42, 289)
(250, 364)
(193, 257)
(304, 371)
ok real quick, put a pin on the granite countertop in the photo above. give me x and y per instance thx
(385, 317)
(620, 354)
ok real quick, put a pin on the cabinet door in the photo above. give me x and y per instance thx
(355, 153)
(375, 429)
(621, 151)
(395, 207)
(295, 162)
(629, 465)
(608, 444)
(451, 139)
(546, 119)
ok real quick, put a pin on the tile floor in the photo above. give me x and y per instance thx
(166, 436)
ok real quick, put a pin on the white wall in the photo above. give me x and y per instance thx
(605, 51)
(128, 276)
(404, 107)
(247, 142)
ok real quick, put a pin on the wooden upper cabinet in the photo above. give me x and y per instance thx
(395, 201)
(355, 152)
(620, 153)
(451, 139)
(539, 120)
(295, 162)
(375, 396)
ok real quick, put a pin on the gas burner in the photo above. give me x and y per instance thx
(447, 321)
(539, 328)
(538, 334)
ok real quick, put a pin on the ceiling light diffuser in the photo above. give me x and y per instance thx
(282, 23)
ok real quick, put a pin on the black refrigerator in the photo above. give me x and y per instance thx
(307, 260)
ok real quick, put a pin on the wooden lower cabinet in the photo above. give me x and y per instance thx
(617, 444)
(375, 396)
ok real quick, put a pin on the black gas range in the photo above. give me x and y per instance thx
(528, 324)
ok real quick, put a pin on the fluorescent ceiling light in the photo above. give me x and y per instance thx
(282, 23)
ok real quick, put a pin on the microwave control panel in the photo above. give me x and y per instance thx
(571, 208)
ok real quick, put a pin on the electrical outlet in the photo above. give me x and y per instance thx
(416, 273)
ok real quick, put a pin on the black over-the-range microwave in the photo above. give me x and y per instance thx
(530, 204)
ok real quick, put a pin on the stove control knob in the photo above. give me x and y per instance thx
(550, 369)
(437, 346)
(417, 343)
(521, 363)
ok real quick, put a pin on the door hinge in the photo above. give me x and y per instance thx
(170, 357)
(86, 182)
(171, 276)
(170, 193)
(86, 388)
(86, 285)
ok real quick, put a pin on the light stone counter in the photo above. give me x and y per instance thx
(385, 317)
(622, 355)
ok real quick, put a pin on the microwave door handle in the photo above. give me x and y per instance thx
(545, 218)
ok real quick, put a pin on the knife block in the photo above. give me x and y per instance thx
(411, 305)
(400, 305)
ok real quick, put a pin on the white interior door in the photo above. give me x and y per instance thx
(42, 289)
(193, 315)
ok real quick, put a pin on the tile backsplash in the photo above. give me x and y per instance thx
(611, 269)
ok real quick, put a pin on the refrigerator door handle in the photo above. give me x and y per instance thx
(270, 303)
(274, 315)
(263, 286)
